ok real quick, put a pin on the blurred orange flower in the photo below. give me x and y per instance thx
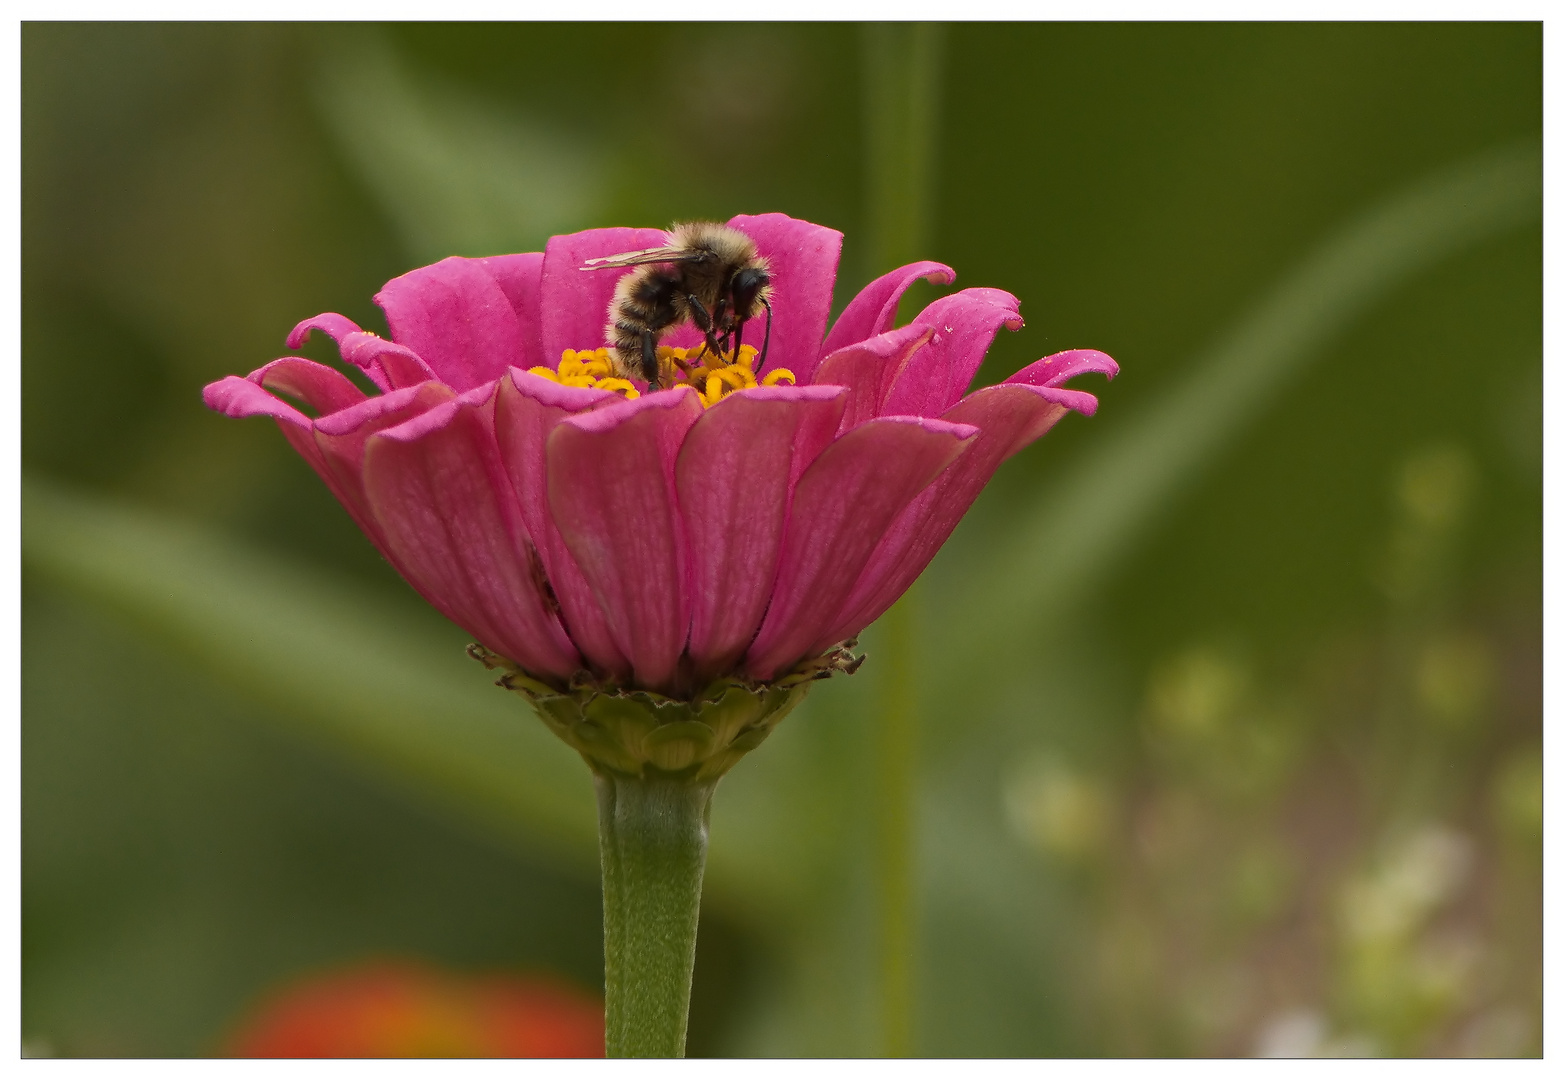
(402, 1010)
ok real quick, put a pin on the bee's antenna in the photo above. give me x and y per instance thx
(765, 345)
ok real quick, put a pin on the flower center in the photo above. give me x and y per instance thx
(712, 376)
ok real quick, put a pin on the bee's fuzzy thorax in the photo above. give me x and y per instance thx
(727, 247)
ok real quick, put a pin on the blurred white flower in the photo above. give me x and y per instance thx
(1303, 1033)
(1393, 899)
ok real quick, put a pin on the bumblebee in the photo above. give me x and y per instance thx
(707, 274)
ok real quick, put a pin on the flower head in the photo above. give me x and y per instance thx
(728, 532)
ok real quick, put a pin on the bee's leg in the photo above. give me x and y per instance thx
(719, 317)
(765, 345)
(703, 323)
(649, 359)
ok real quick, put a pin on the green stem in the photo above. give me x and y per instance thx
(896, 756)
(902, 64)
(652, 831)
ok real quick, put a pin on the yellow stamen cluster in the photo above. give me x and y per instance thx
(713, 377)
(588, 368)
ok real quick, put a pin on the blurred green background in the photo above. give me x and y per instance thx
(1230, 697)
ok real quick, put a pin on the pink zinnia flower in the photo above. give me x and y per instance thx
(593, 535)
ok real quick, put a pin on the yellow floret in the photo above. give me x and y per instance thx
(713, 378)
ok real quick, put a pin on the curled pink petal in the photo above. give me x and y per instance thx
(1074, 400)
(803, 258)
(575, 301)
(392, 366)
(868, 369)
(233, 396)
(873, 311)
(611, 490)
(526, 413)
(736, 474)
(842, 506)
(964, 325)
(343, 330)
(438, 491)
(388, 365)
(1057, 369)
(334, 326)
(458, 319)
(324, 389)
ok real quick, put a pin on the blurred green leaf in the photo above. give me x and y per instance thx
(457, 173)
(381, 684)
(1082, 526)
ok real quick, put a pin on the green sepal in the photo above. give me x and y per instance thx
(628, 731)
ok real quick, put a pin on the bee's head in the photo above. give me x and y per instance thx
(751, 287)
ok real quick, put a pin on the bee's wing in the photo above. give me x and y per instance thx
(650, 255)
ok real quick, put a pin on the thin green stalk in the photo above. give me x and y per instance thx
(653, 838)
(902, 76)
(896, 753)
(902, 79)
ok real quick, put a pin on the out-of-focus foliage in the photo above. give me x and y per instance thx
(1269, 783)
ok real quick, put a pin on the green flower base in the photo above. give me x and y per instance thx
(630, 731)
(656, 761)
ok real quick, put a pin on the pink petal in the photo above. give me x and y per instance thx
(334, 326)
(868, 368)
(520, 278)
(398, 365)
(570, 399)
(736, 475)
(873, 311)
(339, 441)
(938, 374)
(1009, 417)
(445, 507)
(575, 301)
(1059, 368)
(324, 389)
(527, 411)
(389, 366)
(236, 397)
(456, 316)
(233, 396)
(611, 489)
(843, 505)
(803, 258)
